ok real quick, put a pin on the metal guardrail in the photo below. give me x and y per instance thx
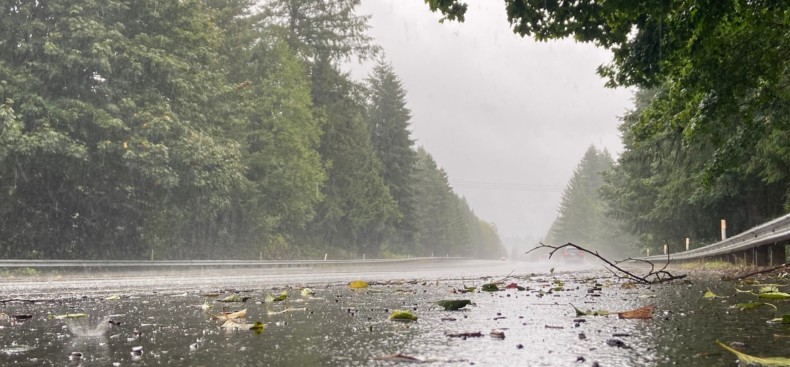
(764, 234)
(204, 263)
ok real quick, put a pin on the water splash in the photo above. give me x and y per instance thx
(88, 327)
(15, 349)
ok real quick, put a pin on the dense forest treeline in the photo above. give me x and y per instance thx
(709, 135)
(583, 214)
(212, 129)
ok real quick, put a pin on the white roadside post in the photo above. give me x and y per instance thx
(687, 243)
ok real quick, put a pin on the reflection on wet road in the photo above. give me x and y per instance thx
(160, 319)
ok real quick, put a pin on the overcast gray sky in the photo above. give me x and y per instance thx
(506, 117)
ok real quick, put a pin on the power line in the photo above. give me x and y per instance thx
(506, 186)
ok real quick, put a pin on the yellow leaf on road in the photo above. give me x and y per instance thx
(358, 284)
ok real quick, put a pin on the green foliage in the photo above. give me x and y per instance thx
(358, 202)
(446, 224)
(441, 225)
(707, 139)
(321, 29)
(119, 122)
(582, 217)
(452, 9)
(658, 188)
(204, 129)
(390, 136)
(280, 141)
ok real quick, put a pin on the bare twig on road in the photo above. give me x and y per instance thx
(652, 277)
(503, 279)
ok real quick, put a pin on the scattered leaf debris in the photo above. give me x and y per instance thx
(402, 315)
(454, 305)
(234, 298)
(490, 287)
(645, 312)
(752, 360)
(472, 334)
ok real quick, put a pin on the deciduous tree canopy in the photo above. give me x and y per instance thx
(708, 137)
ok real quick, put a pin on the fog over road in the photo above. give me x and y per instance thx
(129, 282)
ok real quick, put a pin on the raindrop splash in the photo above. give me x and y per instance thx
(89, 327)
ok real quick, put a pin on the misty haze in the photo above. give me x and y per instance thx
(370, 182)
(378, 132)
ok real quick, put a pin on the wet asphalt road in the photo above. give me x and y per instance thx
(86, 282)
(160, 314)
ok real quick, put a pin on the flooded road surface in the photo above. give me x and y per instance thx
(160, 320)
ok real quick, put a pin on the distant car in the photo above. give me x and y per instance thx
(571, 253)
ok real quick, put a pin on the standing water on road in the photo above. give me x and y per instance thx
(530, 323)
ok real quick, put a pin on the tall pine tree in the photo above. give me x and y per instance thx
(389, 118)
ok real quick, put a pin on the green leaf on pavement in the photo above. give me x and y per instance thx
(235, 298)
(453, 305)
(768, 288)
(257, 327)
(774, 295)
(402, 315)
(752, 360)
(281, 297)
(490, 287)
(752, 305)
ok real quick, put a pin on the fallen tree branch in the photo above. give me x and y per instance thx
(758, 272)
(652, 277)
